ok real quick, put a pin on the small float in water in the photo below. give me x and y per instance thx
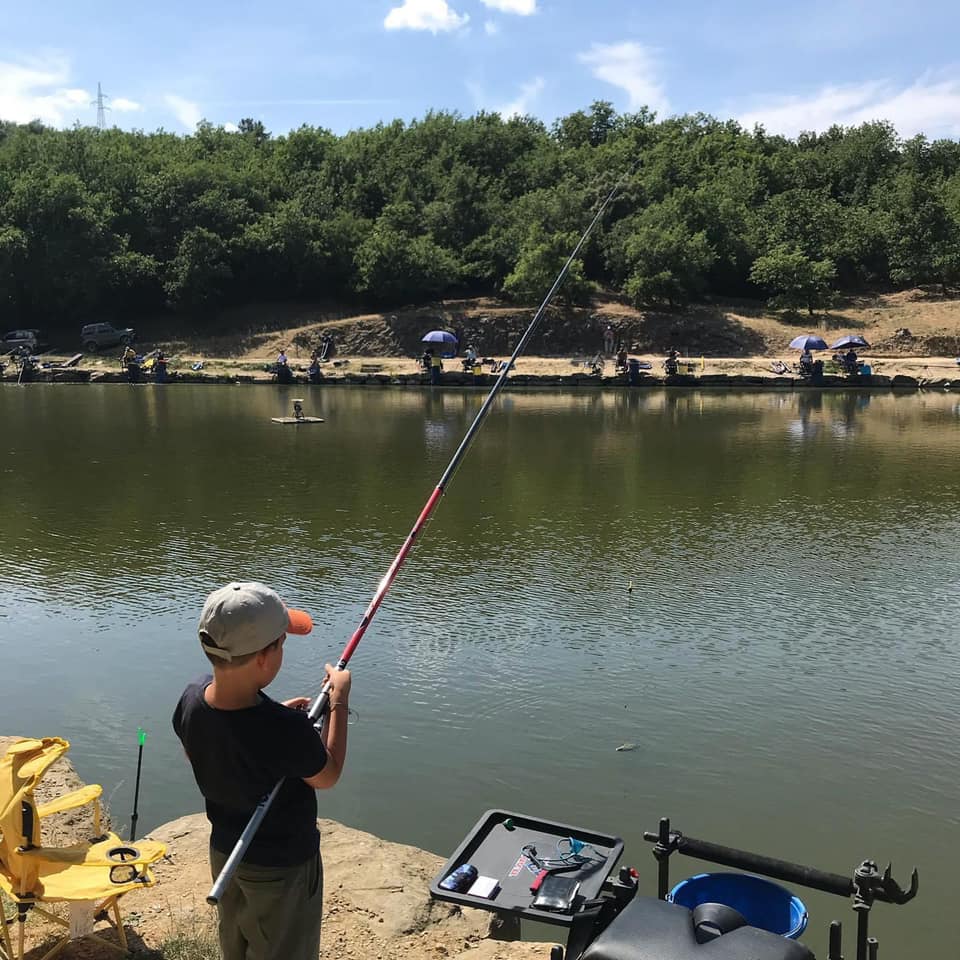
(298, 415)
(523, 867)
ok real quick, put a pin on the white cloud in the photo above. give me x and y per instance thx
(522, 7)
(523, 103)
(187, 112)
(231, 127)
(36, 90)
(490, 28)
(433, 15)
(929, 105)
(632, 67)
(124, 105)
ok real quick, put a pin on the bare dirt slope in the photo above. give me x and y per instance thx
(913, 322)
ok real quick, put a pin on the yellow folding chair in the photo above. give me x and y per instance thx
(96, 872)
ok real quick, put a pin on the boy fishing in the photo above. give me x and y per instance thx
(240, 743)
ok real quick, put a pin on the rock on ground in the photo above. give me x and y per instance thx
(376, 900)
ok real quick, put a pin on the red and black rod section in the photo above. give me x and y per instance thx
(319, 706)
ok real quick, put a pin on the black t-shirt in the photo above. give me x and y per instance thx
(237, 756)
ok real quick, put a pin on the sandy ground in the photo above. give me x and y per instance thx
(376, 900)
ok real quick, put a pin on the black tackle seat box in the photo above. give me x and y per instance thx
(651, 929)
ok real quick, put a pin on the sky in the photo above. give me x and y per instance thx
(344, 64)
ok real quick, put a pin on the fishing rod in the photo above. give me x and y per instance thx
(319, 706)
(141, 740)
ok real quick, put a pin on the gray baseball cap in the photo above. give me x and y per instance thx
(242, 618)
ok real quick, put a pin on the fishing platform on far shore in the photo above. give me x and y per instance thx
(298, 415)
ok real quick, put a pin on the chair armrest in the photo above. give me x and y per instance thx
(70, 801)
(145, 852)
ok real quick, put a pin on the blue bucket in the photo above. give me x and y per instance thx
(762, 903)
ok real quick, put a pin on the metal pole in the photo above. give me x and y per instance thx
(768, 866)
(863, 928)
(662, 853)
(319, 706)
(836, 944)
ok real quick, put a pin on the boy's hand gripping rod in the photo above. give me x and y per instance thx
(319, 706)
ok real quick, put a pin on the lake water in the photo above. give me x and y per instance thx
(787, 660)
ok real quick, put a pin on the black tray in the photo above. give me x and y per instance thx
(496, 852)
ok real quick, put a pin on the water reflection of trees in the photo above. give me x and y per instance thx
(120, 480)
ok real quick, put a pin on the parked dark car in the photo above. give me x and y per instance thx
(96, 335)
(21, 338)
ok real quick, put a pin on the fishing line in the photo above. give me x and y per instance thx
(319, 706)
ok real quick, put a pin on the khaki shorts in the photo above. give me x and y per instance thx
(270, 913)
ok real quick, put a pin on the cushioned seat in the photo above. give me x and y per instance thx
(651, 929)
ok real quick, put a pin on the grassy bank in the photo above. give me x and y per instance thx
(195, 943)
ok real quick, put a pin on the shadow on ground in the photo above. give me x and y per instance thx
(698, 330)
(90, 948)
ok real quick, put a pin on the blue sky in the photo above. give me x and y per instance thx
(350, 64)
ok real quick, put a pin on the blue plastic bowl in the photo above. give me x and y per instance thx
(762, 903)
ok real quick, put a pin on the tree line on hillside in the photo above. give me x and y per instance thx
(109, 223)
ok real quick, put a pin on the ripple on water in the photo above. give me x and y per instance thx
(788, 644)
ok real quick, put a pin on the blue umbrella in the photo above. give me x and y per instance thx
(439, 336)
(850, 340)
(808, 342)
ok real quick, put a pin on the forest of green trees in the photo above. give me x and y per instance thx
(101, 224)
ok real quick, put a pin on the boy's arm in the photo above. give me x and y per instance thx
(334, 733)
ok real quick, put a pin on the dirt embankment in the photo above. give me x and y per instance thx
(913, 334)
(376, 900)
(913, 322)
